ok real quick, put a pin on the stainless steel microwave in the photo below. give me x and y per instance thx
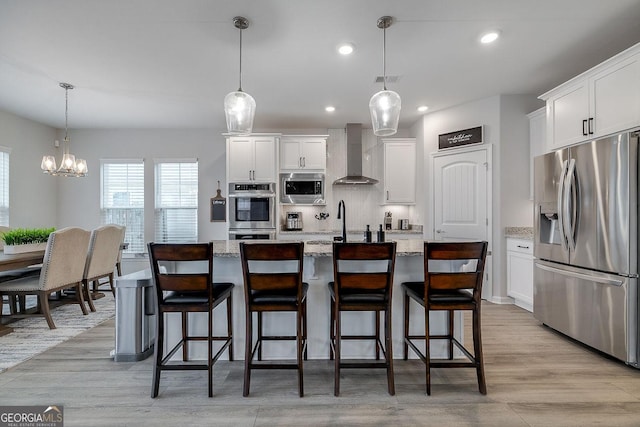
(302, 188)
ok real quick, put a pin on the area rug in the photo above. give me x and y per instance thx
(32, 336)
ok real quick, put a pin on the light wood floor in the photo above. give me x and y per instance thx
(535, 377)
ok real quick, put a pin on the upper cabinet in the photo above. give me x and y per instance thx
(601, 101)
(251, 158)
(399, 170)
(303, 153)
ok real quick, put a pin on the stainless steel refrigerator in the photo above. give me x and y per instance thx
(586, 244)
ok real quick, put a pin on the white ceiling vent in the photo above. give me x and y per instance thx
(390, 79)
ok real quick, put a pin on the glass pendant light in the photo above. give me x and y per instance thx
(385, 105)
(239, 106)
(70, 166)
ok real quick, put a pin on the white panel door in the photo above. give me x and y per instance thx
(460, 196)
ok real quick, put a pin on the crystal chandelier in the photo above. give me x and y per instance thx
(239, 106)
(70, 166)
(385, 105)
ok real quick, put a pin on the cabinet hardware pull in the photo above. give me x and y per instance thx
(590, 125)
(523, 247)
(304, 162)
(584, 127)
(387, 194)
(300, 161)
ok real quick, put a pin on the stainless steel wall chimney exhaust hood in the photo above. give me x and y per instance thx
(354, 158)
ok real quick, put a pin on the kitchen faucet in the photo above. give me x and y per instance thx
(342, 215)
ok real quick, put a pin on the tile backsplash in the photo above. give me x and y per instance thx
(363, 203)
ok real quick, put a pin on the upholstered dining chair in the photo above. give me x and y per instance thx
(62, 268)
(459, 287)
(104, 247)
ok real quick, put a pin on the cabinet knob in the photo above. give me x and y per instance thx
(440, 231)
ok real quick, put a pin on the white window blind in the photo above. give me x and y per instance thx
(176, 209)
(122, 199)
(4, 186)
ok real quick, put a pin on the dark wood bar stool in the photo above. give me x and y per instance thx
(273, 288)
(363, 281)
(187, 292)
(449, 291)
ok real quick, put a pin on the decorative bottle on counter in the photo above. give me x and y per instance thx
(367, 235)
(380, 234)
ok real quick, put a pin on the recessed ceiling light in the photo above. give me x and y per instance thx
(489, 37)
(330, 109)
(423, 108)
(346, 48)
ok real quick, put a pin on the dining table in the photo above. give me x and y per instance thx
(10, 262)
(14, 262)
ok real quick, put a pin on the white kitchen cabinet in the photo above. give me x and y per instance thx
(520, 272)
(251, 158)
(303, 153)
(399, 170)
(599, 102)
(537, 141)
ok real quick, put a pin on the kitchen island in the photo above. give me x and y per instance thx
(318, 271)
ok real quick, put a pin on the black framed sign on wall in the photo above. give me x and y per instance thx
(460, 138)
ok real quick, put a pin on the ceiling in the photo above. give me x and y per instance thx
(169, 63)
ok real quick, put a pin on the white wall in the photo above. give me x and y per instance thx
(506, 129)
(32, 194)
(80, 198)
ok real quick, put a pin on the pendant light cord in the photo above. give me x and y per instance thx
(66, 120)
(240, 84)
(384, 59)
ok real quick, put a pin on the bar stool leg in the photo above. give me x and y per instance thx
(377, 315)
(332, 330)
(299, 356)
(477, 349)
(389, 351)
(159, 346)
(259, 335)
(210, 353)
(230, 324)
(427, 350)
(338, 333)
(185, 341)
(247, 352)
(405, 346)
(304, 328)
(450, 333)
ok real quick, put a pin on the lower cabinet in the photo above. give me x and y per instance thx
(520, 272)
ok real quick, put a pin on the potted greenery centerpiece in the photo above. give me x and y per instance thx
(21, 240)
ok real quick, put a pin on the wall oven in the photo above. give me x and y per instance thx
(252, 207)
(302, 188)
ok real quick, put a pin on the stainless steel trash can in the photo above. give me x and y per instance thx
(135, 316)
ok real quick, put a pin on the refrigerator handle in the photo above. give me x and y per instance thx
(570, 191)
(582, 276)
(561, 182)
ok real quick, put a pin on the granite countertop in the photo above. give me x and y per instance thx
(313, 248)
(339, 232)
(525, 233)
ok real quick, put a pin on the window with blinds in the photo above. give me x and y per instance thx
(122, 199)
(4, 186)
(176, 208)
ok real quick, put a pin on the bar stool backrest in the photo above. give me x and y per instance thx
(169, 276)
(466, 267)
(364, 267)
(272, 268)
